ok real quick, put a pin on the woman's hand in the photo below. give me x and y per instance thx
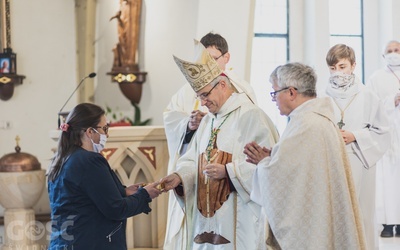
(133, 188)
(255, 153)
(154, 189)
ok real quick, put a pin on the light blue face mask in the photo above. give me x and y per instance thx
(98, 147)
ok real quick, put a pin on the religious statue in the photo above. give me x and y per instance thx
(125, 70)
(128, 18)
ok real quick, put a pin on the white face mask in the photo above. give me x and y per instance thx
(340, 80)
(98, 147)
(393, 59)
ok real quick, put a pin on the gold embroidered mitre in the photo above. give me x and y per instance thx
(202, 72)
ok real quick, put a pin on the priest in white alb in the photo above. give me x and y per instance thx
(386, 84)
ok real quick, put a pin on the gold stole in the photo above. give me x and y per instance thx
(212, 193)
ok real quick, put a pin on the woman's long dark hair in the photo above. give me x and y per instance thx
(82, 117)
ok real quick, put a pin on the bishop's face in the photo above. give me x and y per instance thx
(212, 97)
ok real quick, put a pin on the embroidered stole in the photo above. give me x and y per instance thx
(211, 198)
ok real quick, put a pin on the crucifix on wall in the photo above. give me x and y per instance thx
(125, 70)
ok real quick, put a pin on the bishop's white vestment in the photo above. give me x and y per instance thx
(306, 187)
(236, 219)
(176, 118)
(386, 85)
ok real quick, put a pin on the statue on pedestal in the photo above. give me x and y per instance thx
(125, 67)
(128, 17)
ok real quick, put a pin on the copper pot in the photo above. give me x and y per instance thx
(18, 162)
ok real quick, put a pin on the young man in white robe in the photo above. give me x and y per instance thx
(364, 125)
(386, 84)
(212, 180)
(181, 120)
(304, 183)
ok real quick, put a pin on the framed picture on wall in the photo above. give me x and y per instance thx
(5, 65)
(8, 62)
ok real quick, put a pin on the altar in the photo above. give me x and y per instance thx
(140, 154)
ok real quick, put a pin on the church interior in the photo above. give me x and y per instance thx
(58, 45)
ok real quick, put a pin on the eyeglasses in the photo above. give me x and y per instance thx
(273, 94)
(104, 128)
(216, 58)
(203, 96)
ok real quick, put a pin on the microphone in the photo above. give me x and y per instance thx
(91, 75)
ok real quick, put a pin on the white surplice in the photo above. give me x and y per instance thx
(366, 118)
(306, 185)
(176, 118)
(238, 220)
(385, 84)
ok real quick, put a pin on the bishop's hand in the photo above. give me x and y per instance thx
(170, 181)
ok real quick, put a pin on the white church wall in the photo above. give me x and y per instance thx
(233, 22)
(382, 25)
(315, 39)
(373, 38)
(43, 36)
(168, 27)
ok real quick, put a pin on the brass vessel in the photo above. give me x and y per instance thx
(19, 161)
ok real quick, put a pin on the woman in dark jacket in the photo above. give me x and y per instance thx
(89, 205)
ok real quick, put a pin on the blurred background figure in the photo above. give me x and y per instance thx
(386, 84)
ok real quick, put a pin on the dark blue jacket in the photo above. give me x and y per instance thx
(89, 206)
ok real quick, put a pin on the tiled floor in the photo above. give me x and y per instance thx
(392, 243)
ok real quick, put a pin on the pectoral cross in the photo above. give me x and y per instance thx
(341, 124)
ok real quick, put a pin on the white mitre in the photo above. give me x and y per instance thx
(205, 69)
(201, 72)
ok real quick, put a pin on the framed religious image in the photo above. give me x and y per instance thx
(8, 62)
(5, 65)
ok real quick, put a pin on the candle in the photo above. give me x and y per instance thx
(196, 105)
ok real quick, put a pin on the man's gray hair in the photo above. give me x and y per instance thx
(298, 75)
(226, 79)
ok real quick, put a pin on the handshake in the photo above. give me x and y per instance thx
(159, 186)
(156, 188)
